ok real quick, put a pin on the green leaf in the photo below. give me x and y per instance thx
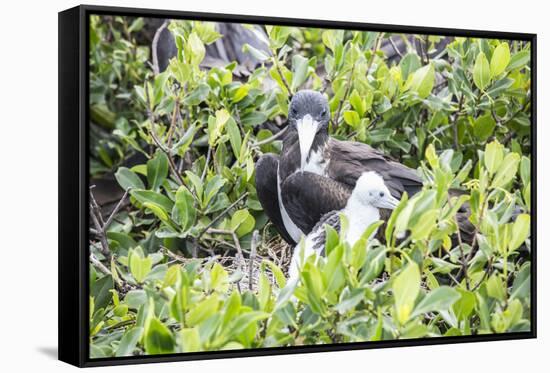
(277, 273)
(438, 300)
(406, 287)
(300, 67)
(465, 305)
(128, 179)
(352, 118)
(494, 154)
(242, 222)
(373, 265)
(484, 126)
(101, 291)
(198, 95)
(409, 64)
(184, 212)
(313, 281)
(157, 170)
(256, 53)
(196, 47)
(500, 59)
(425, 224)
(519, 60)
(216, 125)
(129, 341)
(242, 322)
(234, 136)
(154, 198)
(203, 310)
(240, 93)
(525, 170)
(139, 266)
(253, 118)
(495, 287)
(358, 104)
(507, 170)
(482, 72)
(423, 80)
(219, 278)
(521, 287)
(213, 185)
(333, 38)
(157, 338)
(520, 231)
(190, 340)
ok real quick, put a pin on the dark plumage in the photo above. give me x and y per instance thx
(308, 196)
(266, 188)
(348, 160)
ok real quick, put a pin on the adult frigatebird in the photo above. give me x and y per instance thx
(362, 209)
(315, 173)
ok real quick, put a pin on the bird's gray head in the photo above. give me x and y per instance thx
(370, 189)
(309, 114)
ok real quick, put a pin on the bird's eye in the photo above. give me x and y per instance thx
(381, 194)
(324, 112)
(293, 111)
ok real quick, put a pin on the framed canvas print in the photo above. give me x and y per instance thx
(232, 186)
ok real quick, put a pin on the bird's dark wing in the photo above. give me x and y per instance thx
(308, 196)
(266, 188)
(290, 156)
(348, 160)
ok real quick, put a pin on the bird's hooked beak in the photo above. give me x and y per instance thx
(387, 202)
(307, 128)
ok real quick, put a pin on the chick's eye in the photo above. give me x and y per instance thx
(324, 112)
(293, 111)
(381, 194)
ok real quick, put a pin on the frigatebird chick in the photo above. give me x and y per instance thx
(362, 209)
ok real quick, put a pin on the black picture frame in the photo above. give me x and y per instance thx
(73, 155)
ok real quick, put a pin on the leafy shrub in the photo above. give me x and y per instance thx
(180, 269)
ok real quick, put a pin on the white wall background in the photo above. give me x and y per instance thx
(28, 184)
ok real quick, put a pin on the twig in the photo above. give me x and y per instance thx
(283, 78)
(463, 261)
(215, 220)
(270, 139)
(156, 38)
(253, 245)
(208, 155)
(395, 47)
(376, 47)
(115, 211)
(455, 122)
(426, 40)
(118, 282)
(157, 141)
(336, 119)
(173, 256)
(174, 121)
(95, 206)
(487, 273)
(237, 246)
(95, 214)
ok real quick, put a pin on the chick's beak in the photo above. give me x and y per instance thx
(387, 202)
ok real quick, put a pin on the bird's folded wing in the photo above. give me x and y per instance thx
(348, 160)
(308, 196)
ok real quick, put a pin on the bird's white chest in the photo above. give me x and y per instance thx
(359, 218)
(316, 163)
